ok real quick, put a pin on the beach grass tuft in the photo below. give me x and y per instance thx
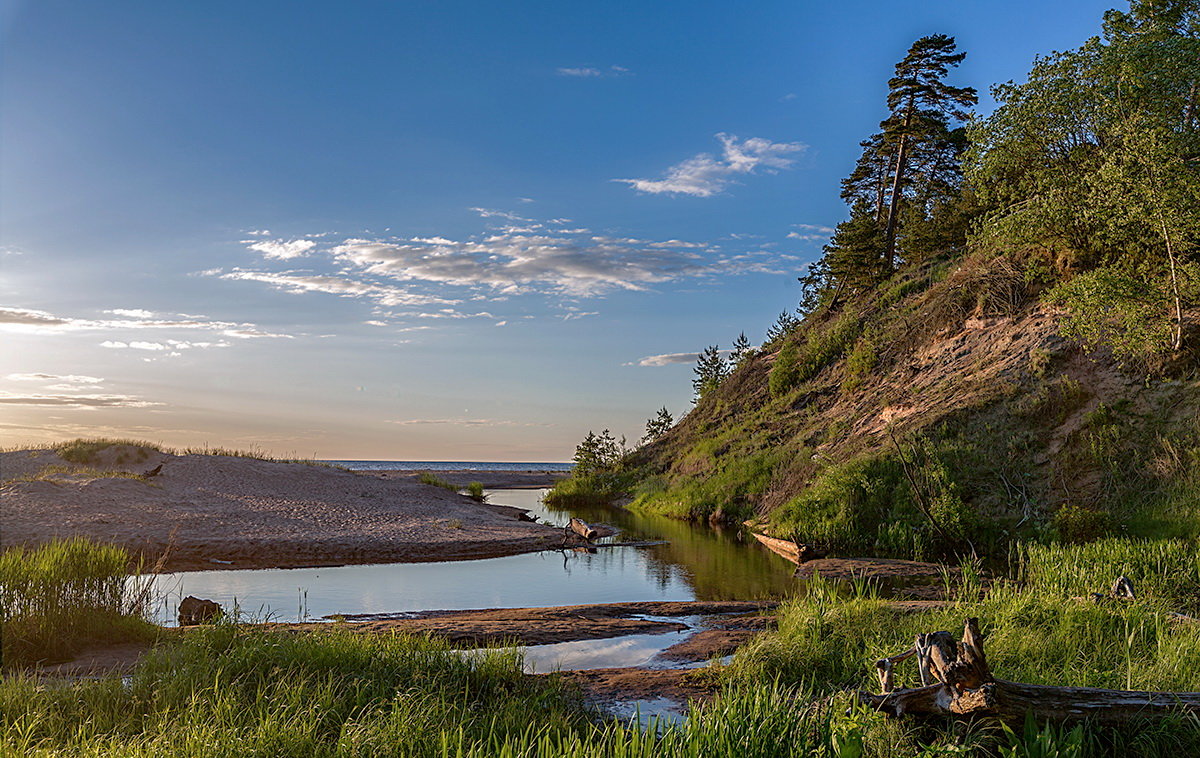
(57, 598)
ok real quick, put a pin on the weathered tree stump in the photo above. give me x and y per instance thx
(962, 685)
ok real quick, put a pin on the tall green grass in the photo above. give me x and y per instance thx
(59, 597)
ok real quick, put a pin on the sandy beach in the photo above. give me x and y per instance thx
(211, 511)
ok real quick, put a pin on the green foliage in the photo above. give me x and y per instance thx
(57, 598)
(784, 325)
(785, 372)
(1047, 742)
(597, 453)
(711, 369)
(727, 493)
(433, 480)
(475, 492)
(658, 426)
(86, 450)
(599, 475)
(860, 362)
(742, 350)
(1091, 157)
(1124, 314)
(870, 505)
(1075, 523)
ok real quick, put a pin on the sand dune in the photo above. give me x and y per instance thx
(202, 510)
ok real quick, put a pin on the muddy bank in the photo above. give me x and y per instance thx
(871, 568)
(492, 480)
(534, 626)
(209, 511)
(605, 688)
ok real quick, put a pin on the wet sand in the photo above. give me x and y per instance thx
(534, 626)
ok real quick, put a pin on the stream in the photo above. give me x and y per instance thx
(695, 562)
(689, 562)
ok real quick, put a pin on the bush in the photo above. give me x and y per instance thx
(785, 373)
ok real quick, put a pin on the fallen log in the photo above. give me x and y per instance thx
(956, 681)
(1011, 701)
(796, 552)
(583, 529)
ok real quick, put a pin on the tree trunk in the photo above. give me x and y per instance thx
(1011, 701)
(889, 254)
(1177, 337)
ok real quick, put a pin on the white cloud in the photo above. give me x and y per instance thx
(162, 346)
(64, 378)
(75, 400)
(24, 319)
(669, 359)
(811, 232)
(591, 72)
(515, 263)
(706, 175)
(282, 249)
(139, 313)
(294, 282)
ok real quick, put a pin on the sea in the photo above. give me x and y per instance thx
(449, 466)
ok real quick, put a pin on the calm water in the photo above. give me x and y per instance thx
(449, 466)
(696, 563)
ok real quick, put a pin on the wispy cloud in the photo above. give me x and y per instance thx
(298, 282)
(281, 249)
(591, 72)
(811, 232)
(25, 319)
(577, 265)
(706, 175)
(63, 378)
(670, 359)
(74, 400)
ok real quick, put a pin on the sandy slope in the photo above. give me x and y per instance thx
(256, 514)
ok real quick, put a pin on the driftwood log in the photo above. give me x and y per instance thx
(796, 552)
(583, 529)
(956, 681)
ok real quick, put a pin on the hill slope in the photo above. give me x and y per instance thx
(938, 412)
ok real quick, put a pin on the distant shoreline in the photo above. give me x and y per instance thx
(491, 479)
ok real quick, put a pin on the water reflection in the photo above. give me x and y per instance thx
(697, 563)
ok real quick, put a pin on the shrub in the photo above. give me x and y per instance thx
(475, 492)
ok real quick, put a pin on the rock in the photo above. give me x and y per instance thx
(193, 611)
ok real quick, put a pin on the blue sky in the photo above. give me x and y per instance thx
(454, 230)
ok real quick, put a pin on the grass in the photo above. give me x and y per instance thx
(224, 691)
(475, 492)
(60, 597)
(87, 450)
(1035, 633)
(426, 477)
(56, 472)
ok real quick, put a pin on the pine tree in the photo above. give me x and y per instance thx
(922, 108)
(658, 426)
(908, 179)
(783, 326)
(711, 369)
(741, 350)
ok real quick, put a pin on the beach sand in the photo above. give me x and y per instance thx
(204, 512)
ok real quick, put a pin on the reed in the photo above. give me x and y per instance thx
(61, 596)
